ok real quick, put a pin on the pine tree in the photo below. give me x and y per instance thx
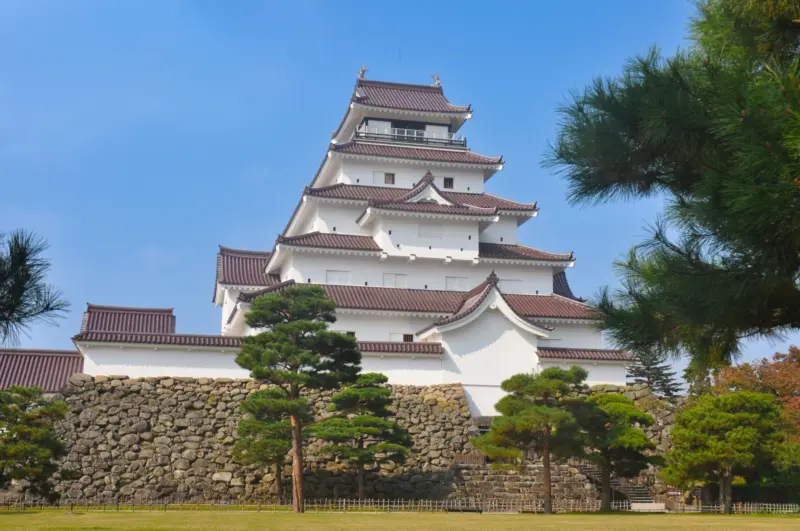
(651, 368)
(29, 447)
(613, 435)
(297, 352)
(720, 436)
(534, 418)
(363, 437)
(716, 130)
(265, 433)
(25, 297)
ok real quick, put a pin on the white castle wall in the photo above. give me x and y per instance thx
(407, 175)
(419, 274)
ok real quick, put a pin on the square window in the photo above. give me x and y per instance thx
(350, 333)
(408, 338)
(448, 182)
(388, 178)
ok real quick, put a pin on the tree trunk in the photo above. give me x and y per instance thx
(548, 495)
(361, 474)
(278, 482)
(726, 491)
(298, 504)
(605, 493)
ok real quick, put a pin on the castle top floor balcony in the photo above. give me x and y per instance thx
(428, 137)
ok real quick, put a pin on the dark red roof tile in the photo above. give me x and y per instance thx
(440, 302)
(382, 193)
(504, 251)
(243, 268)
(331, 241)
(125, 319)
(400, 347)
(403, 152)
(583, 354)
(46, 369)
(194, 340)
(425, 98)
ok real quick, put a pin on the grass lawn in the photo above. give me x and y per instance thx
(422, 521)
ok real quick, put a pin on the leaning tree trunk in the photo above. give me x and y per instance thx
(361, 475)
(605, 493)
(548, 494)
(278, 482)
(298, 504)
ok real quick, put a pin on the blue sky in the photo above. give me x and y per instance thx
(138, 136)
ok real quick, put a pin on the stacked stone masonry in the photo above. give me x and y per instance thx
(165, 439)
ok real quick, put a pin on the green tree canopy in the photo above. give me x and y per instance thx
(25, 296)
(533, 418)
(363, 436)
(719, 436)
(715, 130)
(616, 444)
(29, 448)
(296, 352)
(651, 368)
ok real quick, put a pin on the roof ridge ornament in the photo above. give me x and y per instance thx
(436, 81)
(362, 74)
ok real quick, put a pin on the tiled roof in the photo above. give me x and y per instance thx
(414, 153)
(231, 342)
(243, 268)
(426, 98)
(158, 339)
(384, 193)
(124, 319)
(440, 302)
(400, 347)
(46, 369)
(519, 252)
(561, 286)
(583, 354)
(331, 241)
(548, 306)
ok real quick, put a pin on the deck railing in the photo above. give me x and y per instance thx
(417, 136)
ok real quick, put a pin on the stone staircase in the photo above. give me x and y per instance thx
(634, 493)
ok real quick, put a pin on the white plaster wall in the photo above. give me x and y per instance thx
(420, 273)
(482, 398)
(328, 216)
(573, 336)
(404, 370)
(459, 239)
(229, 299)
(503, 231)
(139, 362)
(599, 372)
(407, 175)
(378, 327)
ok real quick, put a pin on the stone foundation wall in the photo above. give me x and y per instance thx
(171, 439)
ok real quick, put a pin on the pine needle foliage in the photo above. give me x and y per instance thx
(296, 352)
(25, 296)
(652, 369)
(721, 436)
(29, 447)
(716, 130)
(363, 437)
(534, 419)
(616, 444)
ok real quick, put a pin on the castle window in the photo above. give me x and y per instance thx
(408, 338)
(350, 333)
(448, 182)
(394, 280)
(388, 178)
